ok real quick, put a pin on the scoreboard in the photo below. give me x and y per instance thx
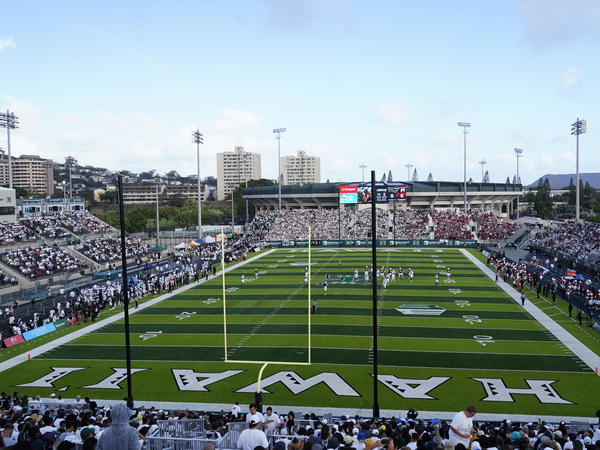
(363, 193)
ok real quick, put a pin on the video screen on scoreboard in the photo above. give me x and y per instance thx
(365, 193)
(348, 194)
(396, 193)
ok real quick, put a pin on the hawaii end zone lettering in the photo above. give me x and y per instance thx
(492, 389)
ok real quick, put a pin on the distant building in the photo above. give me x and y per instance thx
(301, 169)
(30, 172)
(234, 168)
(8, 202)
(35, 207)
(146, 193)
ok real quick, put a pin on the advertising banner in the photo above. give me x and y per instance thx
(39, 331)
(14, 340)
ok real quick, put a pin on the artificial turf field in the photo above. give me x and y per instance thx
(482, 348)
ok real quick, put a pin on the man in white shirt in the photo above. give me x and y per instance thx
(252, 437)
(272, 421)
(462, 426)
(236, 410)
(254, 415)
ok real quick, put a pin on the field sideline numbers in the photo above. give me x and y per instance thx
(185, 315)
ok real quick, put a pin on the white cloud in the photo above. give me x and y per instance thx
(7, 43)
(392, 114)
(448, 138)
(232, 119)
(572, 78)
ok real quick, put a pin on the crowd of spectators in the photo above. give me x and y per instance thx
(7, 279)
(401, 224)
(489, 228)
(43, 261)
(57, 423)
(103, 249)
(580, 241)
(570, 286)
(411, 224)
(324, 224)
(451, 225)
(13, 233)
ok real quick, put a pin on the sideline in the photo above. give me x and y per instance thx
(37, 351)
(591, 359)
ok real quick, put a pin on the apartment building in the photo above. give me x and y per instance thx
(146, 193)
(301, 169)
(29, 172)
(234, 168)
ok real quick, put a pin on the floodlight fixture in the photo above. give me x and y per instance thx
(465, 125)
(577, 128)
(198, 138)
(9, 121)
(278, 132)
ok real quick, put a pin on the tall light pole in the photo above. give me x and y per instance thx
(8, 120)
(518, 154)
(198, 139)
(246, 154)
(482, 162)
(579, 127)
(157, 182)
(232, 215)
(465, 125)
(278, 132)
(70, 162)
(408, 167)
(64, 183)
(362, 166)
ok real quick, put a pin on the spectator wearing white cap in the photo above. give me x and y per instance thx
(252, 437)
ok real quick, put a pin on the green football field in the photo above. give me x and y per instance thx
(439, 347)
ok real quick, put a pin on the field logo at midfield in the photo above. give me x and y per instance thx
(497, 391)
(190, 380)
(339, 279)
(409, 388)
(420, 310)
(296, 384)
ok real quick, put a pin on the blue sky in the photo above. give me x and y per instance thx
(122, 84)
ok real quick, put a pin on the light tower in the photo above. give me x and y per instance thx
(465, 125)
(363, 166)
(198, 139)
(70, 162)
(408, 167)
(579, 127)
(8, 120)
(518, 154)
(278, 132)
(482, 162)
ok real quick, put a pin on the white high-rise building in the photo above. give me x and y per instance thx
(301, 169)
(234, 168)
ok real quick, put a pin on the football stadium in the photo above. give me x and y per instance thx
(323, 328)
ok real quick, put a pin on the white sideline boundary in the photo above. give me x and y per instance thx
(281, 409)
(591, 359)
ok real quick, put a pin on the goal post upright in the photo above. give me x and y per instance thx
(266, 363)
(224, 302)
